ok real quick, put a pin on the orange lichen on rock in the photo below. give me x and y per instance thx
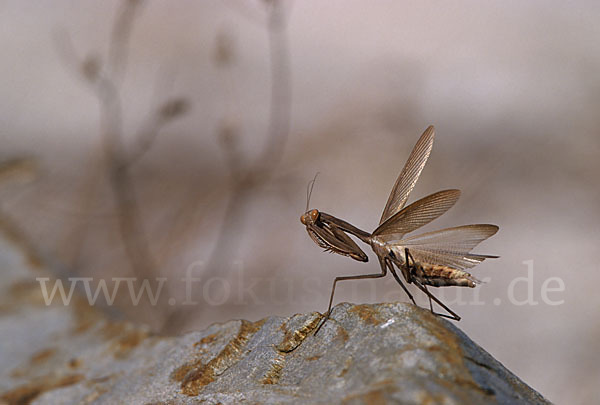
(366, 313)
(273, 375)
(25, 394)
(293, 339)
(193, 376)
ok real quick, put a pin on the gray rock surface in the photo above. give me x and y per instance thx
(365, 354)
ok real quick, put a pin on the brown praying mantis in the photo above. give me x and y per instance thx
(436, 259)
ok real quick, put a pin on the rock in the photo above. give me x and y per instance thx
(365, 354)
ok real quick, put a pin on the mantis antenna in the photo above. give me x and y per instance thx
(309, 189)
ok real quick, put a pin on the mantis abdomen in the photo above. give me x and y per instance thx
(442, 276)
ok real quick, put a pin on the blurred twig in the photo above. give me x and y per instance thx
(119, 39)
(105, 81)
(149, 131)
(281, 89)
(245, 178)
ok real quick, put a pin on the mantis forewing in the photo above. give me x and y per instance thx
(437, 259)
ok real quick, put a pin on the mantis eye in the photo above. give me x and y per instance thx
(314, 214)
(303, 219)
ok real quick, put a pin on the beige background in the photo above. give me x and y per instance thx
(513, 90)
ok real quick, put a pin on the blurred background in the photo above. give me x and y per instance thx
(158, 139)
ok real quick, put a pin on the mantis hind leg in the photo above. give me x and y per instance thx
(452, 315)
(423, 288)
(389, 264)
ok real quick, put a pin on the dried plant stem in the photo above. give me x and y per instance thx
(130, 223)
(280, 102)
(277, 135)
(105, 83)
(244, 180)
(119, 39)
(128, 212)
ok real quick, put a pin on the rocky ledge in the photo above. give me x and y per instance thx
(365, 354)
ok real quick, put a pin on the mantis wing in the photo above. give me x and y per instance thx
(447, 247)
(418, 214)
(409, 175)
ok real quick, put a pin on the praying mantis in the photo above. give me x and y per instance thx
(437, 259)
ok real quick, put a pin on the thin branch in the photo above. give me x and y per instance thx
(105, 87)
(149, 131)
(128, 212)
(105, 84)
(130, 223)
(244, 180)
(280, 102)
(120, 37)
(277, 134)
